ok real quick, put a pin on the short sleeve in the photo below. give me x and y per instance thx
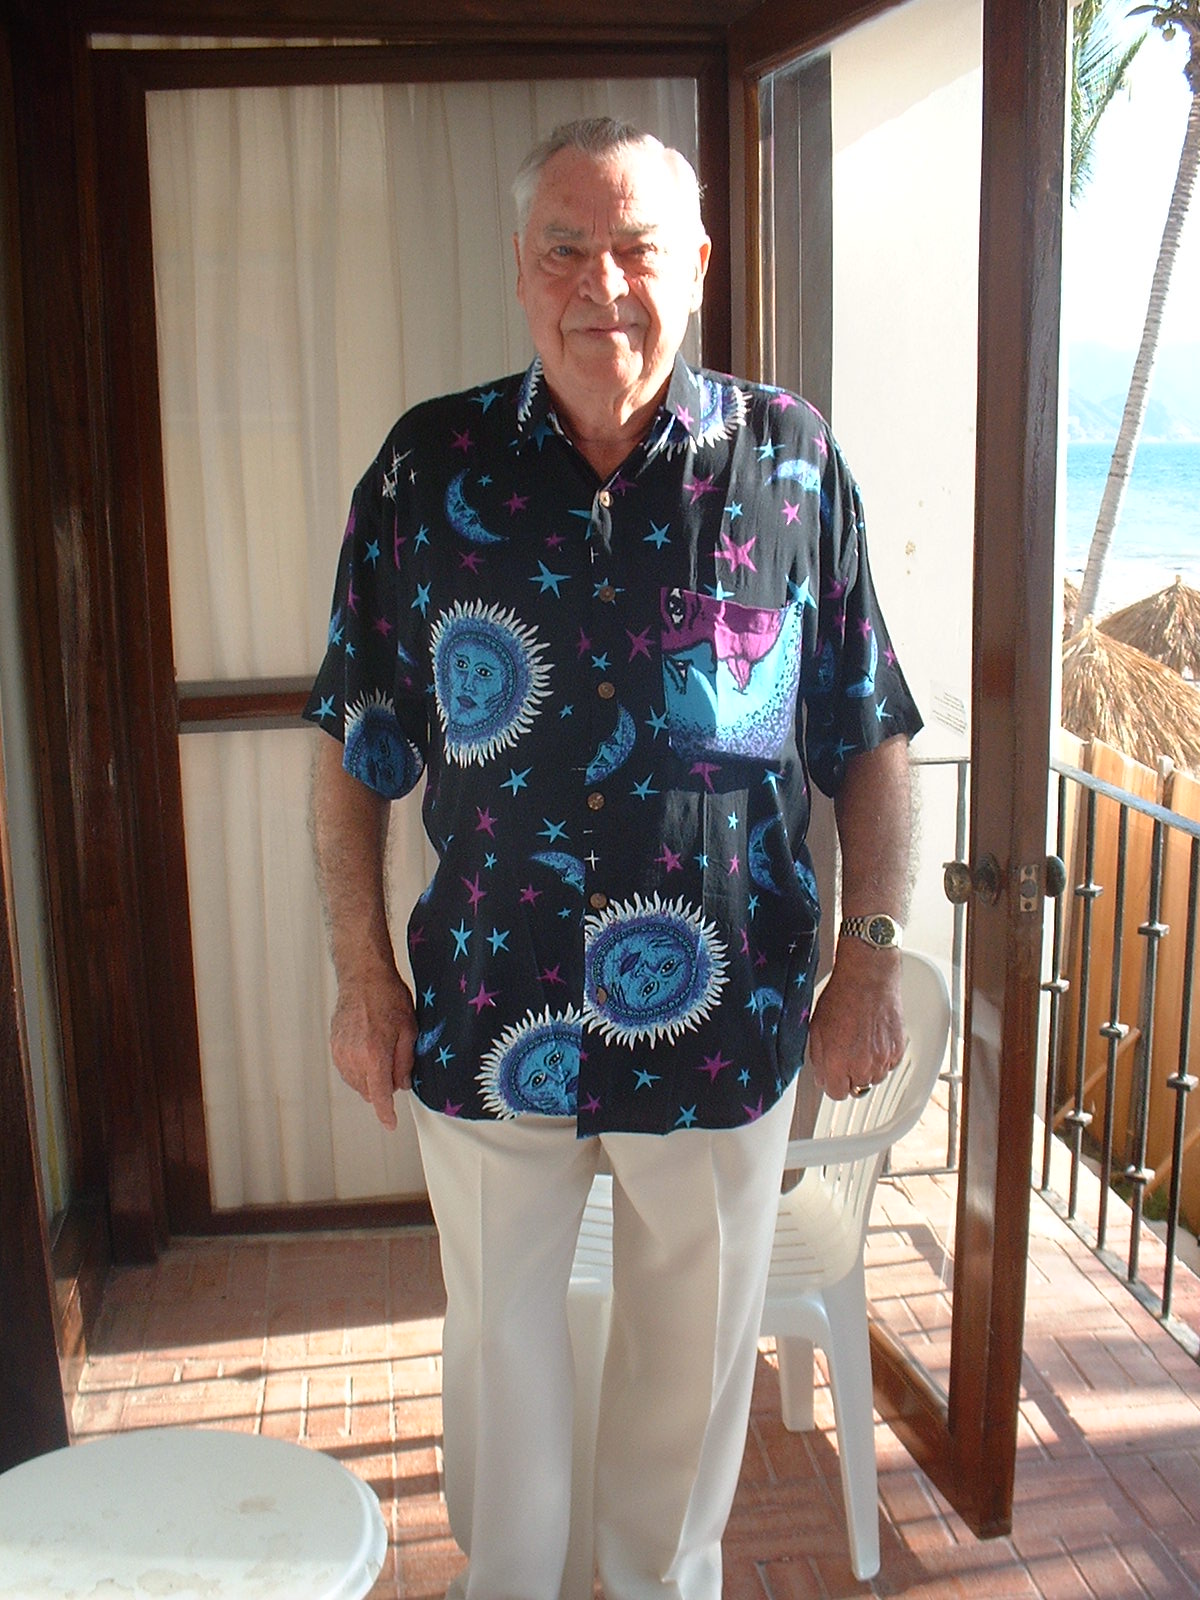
(855, 694)
(370, 692)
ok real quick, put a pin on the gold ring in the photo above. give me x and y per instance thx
(860, 1089)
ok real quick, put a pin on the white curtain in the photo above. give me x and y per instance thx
(324, 258)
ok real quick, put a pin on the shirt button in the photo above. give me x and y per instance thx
(606, 690)
(605, 498)
(597, 901)
(595, 801)
(601, 997)
(606, 592)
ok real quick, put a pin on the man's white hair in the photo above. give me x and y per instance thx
(599, 137)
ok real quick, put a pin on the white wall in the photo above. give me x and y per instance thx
(907, 118)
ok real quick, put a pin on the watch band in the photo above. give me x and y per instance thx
(879, 930)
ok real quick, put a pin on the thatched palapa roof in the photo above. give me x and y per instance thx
(1165, 626)
(1111, 691)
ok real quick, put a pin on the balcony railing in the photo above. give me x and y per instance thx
(1120, 1153)
(1122, 1028)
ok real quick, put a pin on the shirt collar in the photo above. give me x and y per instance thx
(679, 417)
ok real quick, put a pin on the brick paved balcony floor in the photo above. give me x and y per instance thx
(334, 1341)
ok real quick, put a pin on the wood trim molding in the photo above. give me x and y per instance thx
(32, 1415)
(766, 38)
(397, 21)
(85, 757)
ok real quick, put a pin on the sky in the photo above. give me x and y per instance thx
(1112, 236)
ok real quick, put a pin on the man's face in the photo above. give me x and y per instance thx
(609, 268)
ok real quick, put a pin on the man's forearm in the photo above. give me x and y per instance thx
(349, 825)
(874, 819)
(857, 1031)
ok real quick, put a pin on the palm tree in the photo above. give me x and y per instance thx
(1098, 73)
(1167, 16)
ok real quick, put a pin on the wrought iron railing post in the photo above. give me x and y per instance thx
(1056, 986)
(1114, 1030)
(1077, 1119)
(1182, 1082)
(1153, 931)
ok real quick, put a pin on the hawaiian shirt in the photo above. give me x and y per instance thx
(618, 693)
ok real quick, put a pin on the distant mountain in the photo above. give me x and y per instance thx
(1098, 381)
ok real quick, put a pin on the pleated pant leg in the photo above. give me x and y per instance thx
(507, 1199)
(693, 1217)
(693, 1220)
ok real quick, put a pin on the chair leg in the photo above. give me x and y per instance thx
(849, 1355)
(795, 1382)
(588, 1315)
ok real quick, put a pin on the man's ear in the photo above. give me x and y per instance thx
(705, 250)
(517, 254)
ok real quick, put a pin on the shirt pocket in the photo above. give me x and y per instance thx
(730, 675)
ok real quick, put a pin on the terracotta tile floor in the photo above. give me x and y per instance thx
(334, 1341)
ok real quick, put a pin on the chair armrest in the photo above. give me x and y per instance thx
(836, 1148)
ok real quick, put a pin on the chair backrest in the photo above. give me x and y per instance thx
(851, 1137)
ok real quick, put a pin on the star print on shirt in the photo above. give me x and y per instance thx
(484, 997)
(545, 579)
(737, 555)
(487, 671)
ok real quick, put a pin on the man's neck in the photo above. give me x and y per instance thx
(606, 437)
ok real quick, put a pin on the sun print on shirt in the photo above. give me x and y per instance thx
(489, 677)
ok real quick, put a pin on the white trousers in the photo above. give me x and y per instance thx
(693, 1219)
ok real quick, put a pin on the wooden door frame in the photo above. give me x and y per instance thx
(32, 1413)
(156, 708)
(966, 1440)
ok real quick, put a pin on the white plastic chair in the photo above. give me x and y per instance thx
(816, 1289)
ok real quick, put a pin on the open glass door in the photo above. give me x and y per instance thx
(902, 194)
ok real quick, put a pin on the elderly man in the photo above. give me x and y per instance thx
(618, 611)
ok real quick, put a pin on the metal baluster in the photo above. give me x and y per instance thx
(957, 962)
(1077, 1119)
(1114, 1030)
(1182, 1082)
(1056, 987)
(1152, 930)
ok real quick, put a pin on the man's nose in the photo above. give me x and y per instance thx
(603, 278)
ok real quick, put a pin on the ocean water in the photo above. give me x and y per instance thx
(1158, 531)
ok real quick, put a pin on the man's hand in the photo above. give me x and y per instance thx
(372, 1035)
(857, 1033)
(374, 1024)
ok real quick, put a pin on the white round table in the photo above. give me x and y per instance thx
(187, 1512)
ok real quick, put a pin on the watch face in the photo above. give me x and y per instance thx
(881, 931)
